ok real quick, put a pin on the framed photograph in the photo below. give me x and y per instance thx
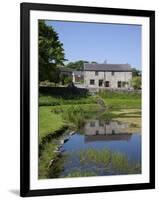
(87, 99)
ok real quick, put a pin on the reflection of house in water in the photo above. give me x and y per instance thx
(98, 130)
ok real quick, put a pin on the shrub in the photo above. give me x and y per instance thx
(136, 82)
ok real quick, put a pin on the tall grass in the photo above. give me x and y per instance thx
(117, 162)
(120, 162)
(76, 115)
(95, 156)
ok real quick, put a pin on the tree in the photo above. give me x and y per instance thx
(78, 65)
(51, 52)
(65, 79)
(136, 72)
(54, 75)
(136, 82)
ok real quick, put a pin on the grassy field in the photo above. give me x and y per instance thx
(121, 100)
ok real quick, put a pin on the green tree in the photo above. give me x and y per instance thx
(65, 79)
(136, 82)
(136, 72)
(51, 52)
(54, 75)
(78, 65)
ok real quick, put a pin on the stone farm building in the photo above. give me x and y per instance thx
(110, 76)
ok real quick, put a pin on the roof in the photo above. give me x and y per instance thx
(107, 67)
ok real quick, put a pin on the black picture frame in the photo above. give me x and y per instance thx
(25, 9)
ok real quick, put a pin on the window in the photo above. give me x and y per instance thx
(92, 82)
(106, 83)
(113, 73)
(100, 83)
(119, 84)
(96, 73)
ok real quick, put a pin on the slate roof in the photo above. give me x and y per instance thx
(107, 67)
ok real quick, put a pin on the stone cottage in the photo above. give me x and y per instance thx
(110, 76)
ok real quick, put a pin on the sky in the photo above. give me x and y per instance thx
(115, 43)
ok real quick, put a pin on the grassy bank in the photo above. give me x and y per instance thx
(47, 155)
(49, 122)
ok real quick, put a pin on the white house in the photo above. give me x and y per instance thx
(110, 76)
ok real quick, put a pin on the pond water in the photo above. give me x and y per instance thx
(99, 148)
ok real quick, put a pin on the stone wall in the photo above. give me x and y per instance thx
(65, 92)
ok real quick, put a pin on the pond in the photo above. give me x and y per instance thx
(99, 149)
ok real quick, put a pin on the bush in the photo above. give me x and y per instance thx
(136, 82)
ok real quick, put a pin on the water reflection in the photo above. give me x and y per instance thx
(85, 151)
(98, 130)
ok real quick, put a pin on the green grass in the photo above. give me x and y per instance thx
(119, 94)
(118, 100)
(45, 100)
(122, 103)
(49, 122)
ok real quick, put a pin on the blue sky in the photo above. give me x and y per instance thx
(99, 42)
